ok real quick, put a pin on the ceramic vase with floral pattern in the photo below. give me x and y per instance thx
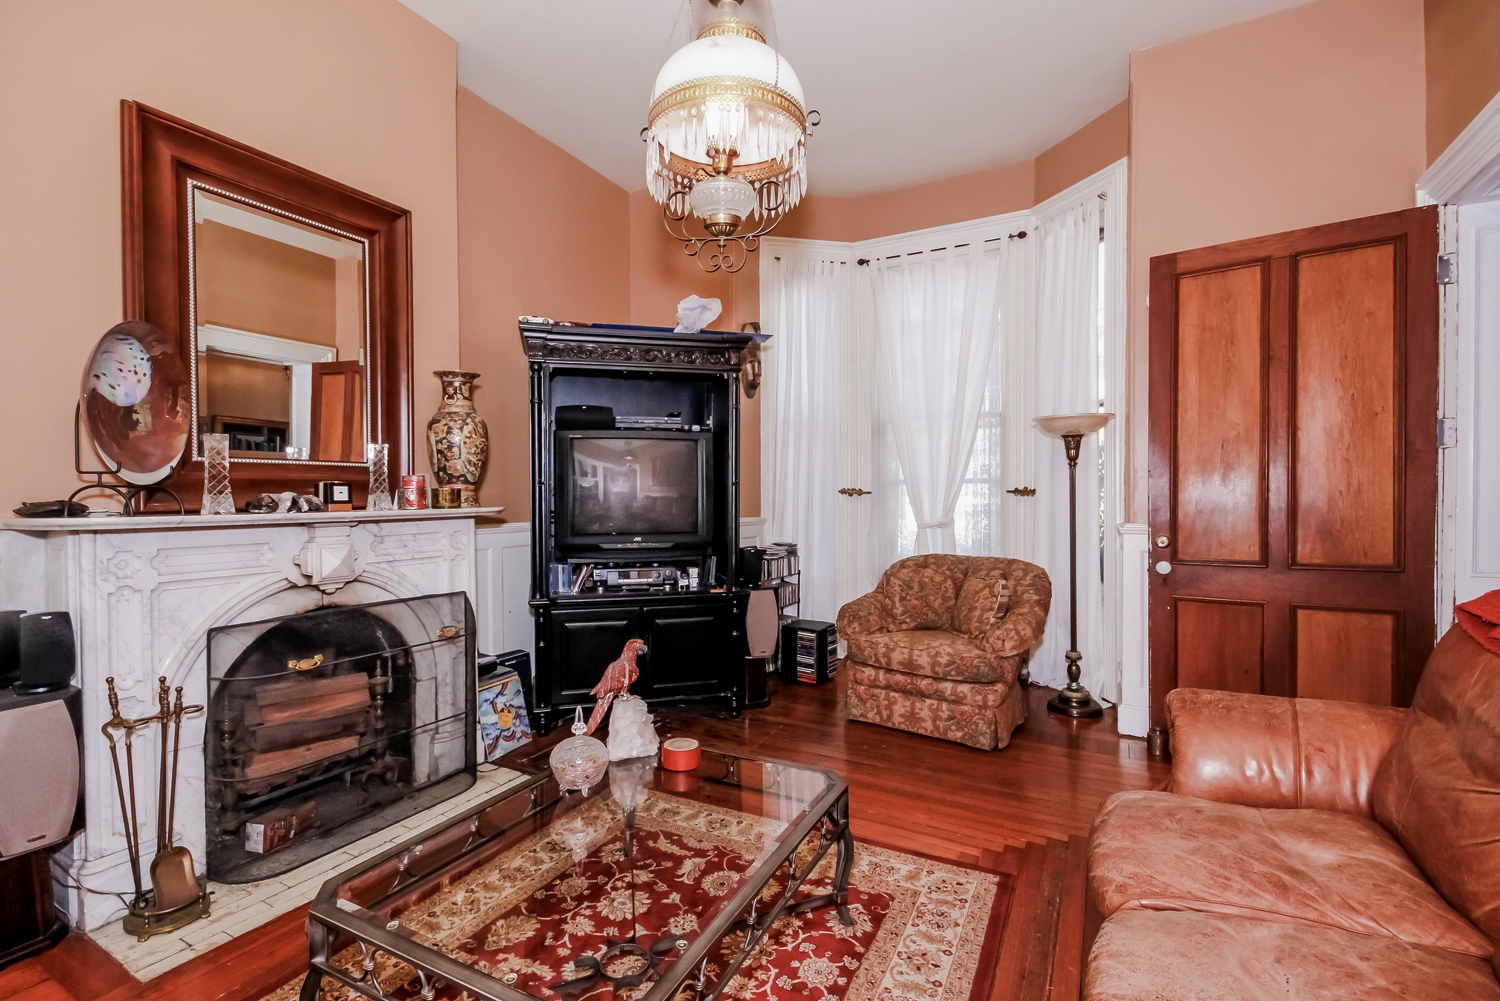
(457, 440)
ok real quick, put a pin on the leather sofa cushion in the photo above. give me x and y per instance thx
(984, 696)
(1262, 750)
(1438, 790)
(1142, 955)
(982, 602)
(935, 653)
(1162, 851)
(920, 598)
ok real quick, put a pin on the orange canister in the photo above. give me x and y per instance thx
(680, 754)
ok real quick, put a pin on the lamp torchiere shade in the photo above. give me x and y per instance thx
(1060, 424)
(1074, 699)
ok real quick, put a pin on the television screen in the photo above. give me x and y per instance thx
(634, 486)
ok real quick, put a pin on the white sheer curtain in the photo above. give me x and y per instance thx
(805, 306)
(936, 320)
(1065, 380)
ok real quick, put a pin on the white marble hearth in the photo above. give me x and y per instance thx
(239, 908)
(143, 593)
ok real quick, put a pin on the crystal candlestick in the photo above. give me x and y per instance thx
(379, 498)
(217, 497)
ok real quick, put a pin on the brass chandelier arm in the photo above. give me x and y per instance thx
(721, 255)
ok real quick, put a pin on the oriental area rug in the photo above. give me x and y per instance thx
(923, 928)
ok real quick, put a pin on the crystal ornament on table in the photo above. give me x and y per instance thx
(379, 498)
(217, 497)
(631, 734)
(580, 761)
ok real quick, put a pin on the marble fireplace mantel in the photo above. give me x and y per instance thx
(143, 593)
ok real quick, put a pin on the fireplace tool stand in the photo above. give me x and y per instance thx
(178, 896)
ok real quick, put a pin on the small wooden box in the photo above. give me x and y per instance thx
(277, 828)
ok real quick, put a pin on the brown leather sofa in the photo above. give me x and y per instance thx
(1310, 849)
(937, 647)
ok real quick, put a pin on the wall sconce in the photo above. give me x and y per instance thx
(750, 370)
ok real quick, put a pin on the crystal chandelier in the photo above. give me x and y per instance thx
(726, 141)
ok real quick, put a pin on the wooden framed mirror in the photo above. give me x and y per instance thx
(289, 294)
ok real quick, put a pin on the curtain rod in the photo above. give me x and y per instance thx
(864, 261)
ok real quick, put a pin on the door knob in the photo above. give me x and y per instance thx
(1163, 568)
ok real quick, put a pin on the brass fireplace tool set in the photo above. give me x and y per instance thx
(177, 896)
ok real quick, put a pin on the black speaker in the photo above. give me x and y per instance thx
(48, 654)
(41, 805)
(584, 417)
(10, 646)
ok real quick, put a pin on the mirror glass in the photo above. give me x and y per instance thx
(278, 309)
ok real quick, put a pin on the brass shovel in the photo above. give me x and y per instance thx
(173, 880)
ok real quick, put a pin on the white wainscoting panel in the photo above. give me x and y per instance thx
(503, 568)
(1135, 646)
(752, 531)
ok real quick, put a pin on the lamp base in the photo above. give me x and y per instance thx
(1074, 701)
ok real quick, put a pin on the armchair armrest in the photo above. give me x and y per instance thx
(1266, 751)
(1020, 629)
(864, 615)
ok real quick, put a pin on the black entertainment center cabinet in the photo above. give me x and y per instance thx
(635, 512)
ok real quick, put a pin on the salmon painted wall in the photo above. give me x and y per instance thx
(358, 90)
(1089, 150)
(1463, 66)
(539, 234)
(1308, 116)
(996, 190)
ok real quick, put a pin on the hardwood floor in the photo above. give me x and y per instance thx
(1024, 810)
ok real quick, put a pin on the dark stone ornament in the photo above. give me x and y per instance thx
(264, 504)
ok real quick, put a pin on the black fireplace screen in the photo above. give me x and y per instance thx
(332, 724)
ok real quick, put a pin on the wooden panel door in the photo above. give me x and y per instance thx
(1293, 462)
(338, 411)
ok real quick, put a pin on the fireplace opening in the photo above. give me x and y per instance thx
(332, 724)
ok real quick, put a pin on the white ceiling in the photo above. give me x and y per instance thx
(909, 91)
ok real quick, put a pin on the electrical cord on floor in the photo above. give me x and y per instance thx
(89, 889)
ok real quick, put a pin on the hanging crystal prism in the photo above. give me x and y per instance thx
(379, 498)
(217, 497)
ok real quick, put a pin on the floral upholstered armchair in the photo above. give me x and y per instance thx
(940, 646)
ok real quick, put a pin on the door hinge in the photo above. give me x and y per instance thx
(1447, 273)
(1447, 432)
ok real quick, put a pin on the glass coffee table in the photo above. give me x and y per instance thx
(654, 885)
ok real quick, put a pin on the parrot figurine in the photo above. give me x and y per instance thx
(616, 681)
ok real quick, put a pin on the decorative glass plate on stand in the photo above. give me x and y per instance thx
(135, 401)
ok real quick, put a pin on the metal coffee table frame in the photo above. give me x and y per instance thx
(333, 925)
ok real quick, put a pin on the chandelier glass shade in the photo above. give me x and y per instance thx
(726, 140)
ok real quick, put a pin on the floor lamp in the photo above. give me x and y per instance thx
(1074, 699)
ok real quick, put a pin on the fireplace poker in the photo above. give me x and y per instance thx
(127, 727)
(163, 699)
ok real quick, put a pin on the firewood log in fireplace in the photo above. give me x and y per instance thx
(300, 726)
